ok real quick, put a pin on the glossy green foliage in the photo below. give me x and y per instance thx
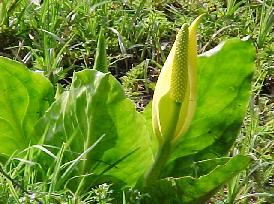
(24, 98)
(224, 81)
(96, 106)
(224, 85)
(197, 161)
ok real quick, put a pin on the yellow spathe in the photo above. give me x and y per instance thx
(174, 99)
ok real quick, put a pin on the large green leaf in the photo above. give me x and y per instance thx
(96, 106)
(224, 80)
(24, 97)
(223, 94)
(191, 190)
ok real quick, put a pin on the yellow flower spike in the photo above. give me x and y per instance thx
(174, 99)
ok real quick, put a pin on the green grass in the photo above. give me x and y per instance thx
(60, 37)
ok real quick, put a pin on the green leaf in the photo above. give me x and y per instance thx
(95, 106)
(24, 98)
(196, 190)
(224, 84)
(101, 61)
(224, 81)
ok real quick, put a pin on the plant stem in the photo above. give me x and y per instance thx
(165, 148)
(159, 163)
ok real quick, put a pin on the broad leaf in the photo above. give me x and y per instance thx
(95, 106)
(224, 91)
(224, 80)
(25, 96)
(188, 190)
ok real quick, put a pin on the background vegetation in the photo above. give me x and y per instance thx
(60, 37)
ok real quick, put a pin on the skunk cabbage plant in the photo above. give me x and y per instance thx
(176, 150)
